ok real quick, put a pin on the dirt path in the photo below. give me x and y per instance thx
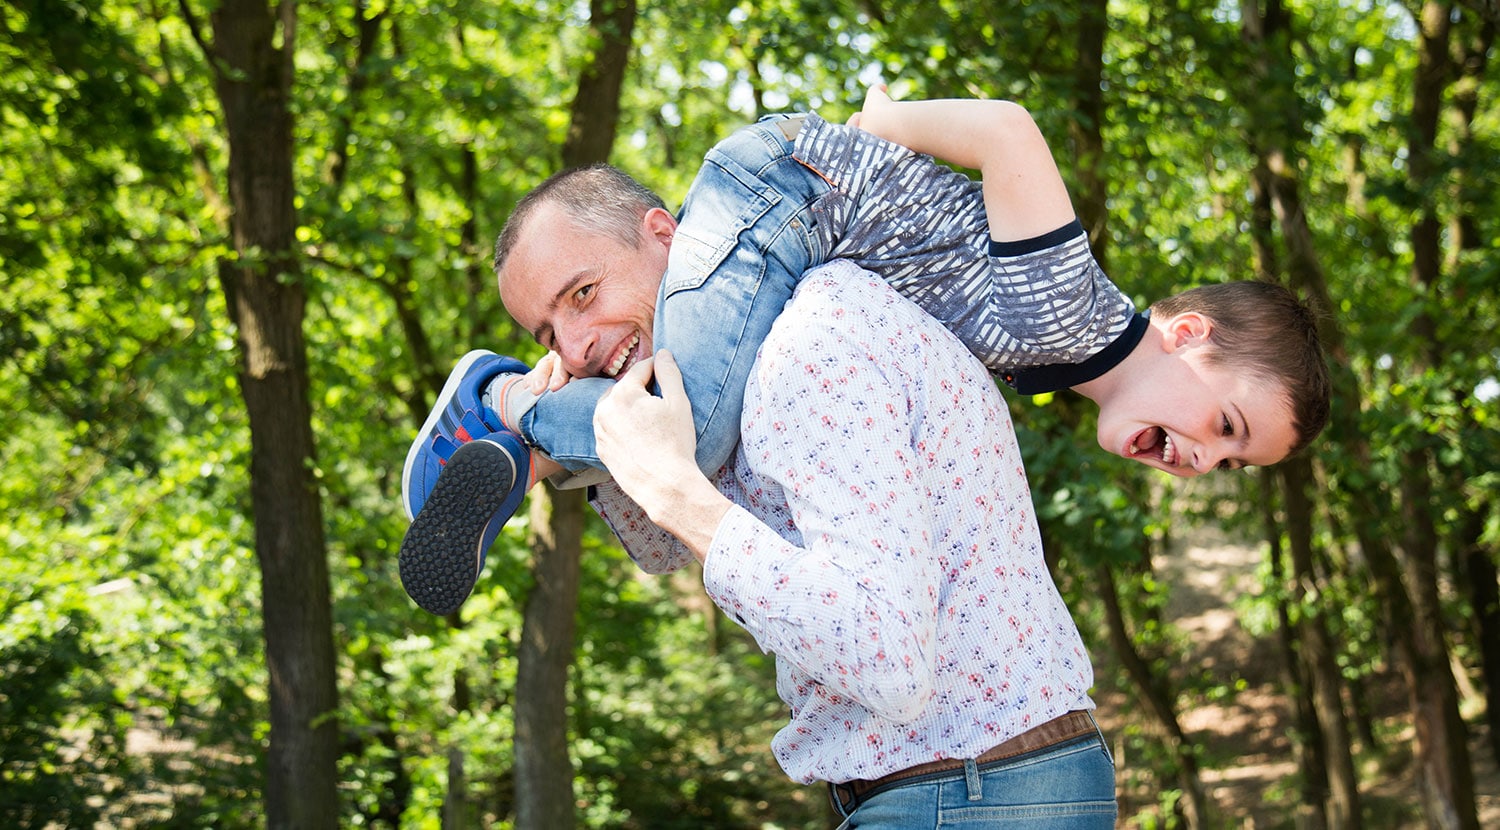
(1249, 775)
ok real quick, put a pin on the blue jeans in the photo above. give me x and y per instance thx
(1069, 786)
(745, 238)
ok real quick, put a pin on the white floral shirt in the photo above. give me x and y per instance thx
(883, 542)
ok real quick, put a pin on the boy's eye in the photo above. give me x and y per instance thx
(1228, 427)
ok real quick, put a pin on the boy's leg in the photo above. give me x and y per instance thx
(745, 239)
(747, 235)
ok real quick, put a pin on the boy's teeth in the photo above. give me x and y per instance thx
(1168, 453)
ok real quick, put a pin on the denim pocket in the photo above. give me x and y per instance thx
(724, 203)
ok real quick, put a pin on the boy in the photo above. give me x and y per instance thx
(1005, 265)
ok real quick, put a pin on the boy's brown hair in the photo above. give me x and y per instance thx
(1264, 330)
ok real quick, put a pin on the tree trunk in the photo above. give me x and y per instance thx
(1086, 138)
(1307, 738)
(1442, 739)
(1477, 561)
(1320, 660)
(596, 107)
(266, 302)
(1158, 694)
(1424, 674)
(1484, 597)
(1085, 130)
(544, 774)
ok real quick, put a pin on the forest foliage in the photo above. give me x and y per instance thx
(1347, 148)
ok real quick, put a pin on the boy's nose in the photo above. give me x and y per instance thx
(1205, 459)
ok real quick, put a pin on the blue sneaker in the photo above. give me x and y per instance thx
(458, 417)
(465, 476)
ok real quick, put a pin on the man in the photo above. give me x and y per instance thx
(874, 530)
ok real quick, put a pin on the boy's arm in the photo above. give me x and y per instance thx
(1024, 196)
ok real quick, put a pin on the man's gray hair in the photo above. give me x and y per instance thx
(598, 198)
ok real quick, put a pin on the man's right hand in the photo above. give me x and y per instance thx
(647, 442)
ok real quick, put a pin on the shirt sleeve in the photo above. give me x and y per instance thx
(653, 550)
(850, 596)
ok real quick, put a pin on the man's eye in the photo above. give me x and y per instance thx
(583, 292)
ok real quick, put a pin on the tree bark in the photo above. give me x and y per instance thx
(1086, 138)
(1442, 745)
(1477, 558)
(1319, 657)
(544, 774)
(266, 301)
(1307, 738)
(596, 106)
(1159, 697)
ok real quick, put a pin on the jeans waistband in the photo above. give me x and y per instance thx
(1058, 730)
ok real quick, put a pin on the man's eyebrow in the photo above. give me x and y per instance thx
(543, 332)
(567, 288)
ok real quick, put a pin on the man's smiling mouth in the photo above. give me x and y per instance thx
(622, 358)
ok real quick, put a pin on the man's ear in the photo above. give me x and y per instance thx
(1187, 329)
(659, 225)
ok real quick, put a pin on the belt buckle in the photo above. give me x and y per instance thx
(843, 798)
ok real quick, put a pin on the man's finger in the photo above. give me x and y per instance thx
(668, 376)
(638, 375)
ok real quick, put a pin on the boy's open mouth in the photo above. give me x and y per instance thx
(1153, 442)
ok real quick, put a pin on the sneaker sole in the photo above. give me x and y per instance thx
(443, 551)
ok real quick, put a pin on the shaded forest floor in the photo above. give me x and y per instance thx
(1249, 771)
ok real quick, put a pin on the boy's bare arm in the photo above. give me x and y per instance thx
(1024, 196)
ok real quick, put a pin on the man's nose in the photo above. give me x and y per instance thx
(573, 345)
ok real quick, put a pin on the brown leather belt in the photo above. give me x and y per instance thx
(1053, 732)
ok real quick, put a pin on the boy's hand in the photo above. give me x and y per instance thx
(879, 116)
(548, 375)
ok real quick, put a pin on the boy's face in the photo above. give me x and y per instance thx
(1187, 417)
(586, 296)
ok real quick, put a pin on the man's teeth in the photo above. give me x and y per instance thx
(1168, 452)
(620, 359)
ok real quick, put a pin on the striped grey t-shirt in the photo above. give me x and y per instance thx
(922, 227)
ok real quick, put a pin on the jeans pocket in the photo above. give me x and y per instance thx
(724, 203)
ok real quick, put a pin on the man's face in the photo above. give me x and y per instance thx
(586, 296)
(1188, 417)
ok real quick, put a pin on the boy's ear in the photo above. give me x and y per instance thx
(1188, 328)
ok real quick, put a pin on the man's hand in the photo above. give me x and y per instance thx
(648, 444)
